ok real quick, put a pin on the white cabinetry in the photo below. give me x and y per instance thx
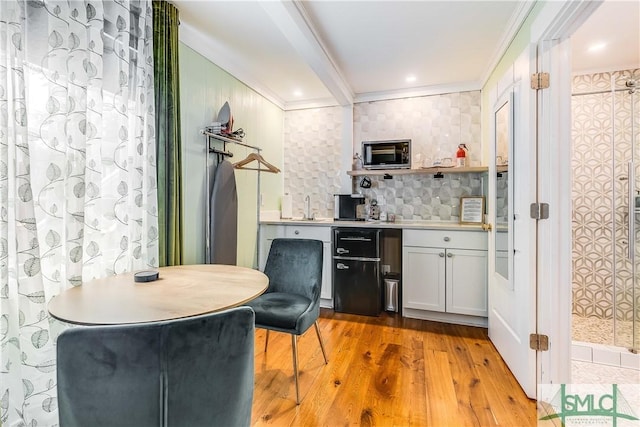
(424, 276)
(445, 275)
(269, 232)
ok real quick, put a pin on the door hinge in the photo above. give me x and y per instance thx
(539, 210)
(539, 342)
(539, 81)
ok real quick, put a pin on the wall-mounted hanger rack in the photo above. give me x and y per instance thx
(221, 154)
(261, 161)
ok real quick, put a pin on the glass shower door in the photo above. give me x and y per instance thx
(626, 114)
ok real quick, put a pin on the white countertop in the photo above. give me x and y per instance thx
(420, 225)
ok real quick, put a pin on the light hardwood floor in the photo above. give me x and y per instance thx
(387, 371)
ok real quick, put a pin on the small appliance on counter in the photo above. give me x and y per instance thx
(393, 154)
(368, 211)
(348, 207)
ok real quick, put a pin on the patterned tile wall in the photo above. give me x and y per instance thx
(436, 125)
(312, 156)
(600, 266)
(423, 197)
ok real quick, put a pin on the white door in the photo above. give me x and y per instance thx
(512, 188)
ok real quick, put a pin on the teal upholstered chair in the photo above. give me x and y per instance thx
(291, 303)
(195, 371)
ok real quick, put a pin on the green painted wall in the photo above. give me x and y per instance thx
(204, 88)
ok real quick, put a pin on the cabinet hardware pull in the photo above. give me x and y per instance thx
(449, 255)
(447, 238)
(355, 239)
(341, 266)
(296, 232)
(441, 254)
(342, 251)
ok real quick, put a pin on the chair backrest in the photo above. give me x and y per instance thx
(295, 266)
(189, 372)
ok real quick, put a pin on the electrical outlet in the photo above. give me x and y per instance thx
(386, 268)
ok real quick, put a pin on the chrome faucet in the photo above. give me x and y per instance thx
(307, 214)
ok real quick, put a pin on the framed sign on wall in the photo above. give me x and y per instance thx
(471, 210)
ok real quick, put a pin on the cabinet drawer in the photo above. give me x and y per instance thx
(445, 239)
(269, 231)
(308, 232)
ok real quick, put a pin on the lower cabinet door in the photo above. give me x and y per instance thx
(423, 277)
(466, 282)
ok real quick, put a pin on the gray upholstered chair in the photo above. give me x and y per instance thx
(196, 371)
(291, 303)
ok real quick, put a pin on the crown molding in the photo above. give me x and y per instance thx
(220, 55)
(515, 23)
(417, 92)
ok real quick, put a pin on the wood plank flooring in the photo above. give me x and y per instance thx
(387, 371)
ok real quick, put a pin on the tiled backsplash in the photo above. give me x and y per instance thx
(435, 124)
(423, 197)
(312, 155)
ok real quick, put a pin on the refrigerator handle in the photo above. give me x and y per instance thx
(632, 211)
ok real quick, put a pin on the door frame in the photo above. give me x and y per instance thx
(551, 32)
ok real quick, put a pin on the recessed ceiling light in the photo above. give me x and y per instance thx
(596, 47)
(410, 79)
(297, 93)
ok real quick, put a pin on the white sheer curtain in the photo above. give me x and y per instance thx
(77, 173)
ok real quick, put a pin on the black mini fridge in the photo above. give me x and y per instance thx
(356, 271)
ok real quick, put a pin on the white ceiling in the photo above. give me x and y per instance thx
(339, 52)
(616, 24)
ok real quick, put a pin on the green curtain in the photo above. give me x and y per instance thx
(169, 164)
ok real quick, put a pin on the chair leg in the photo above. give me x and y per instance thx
(321, 343)
(266, 341)
(294, 347)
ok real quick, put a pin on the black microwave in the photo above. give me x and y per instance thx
(393, 154)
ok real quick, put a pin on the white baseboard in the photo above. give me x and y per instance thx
(458, 319)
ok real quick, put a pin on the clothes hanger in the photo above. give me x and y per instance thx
(258, 158)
